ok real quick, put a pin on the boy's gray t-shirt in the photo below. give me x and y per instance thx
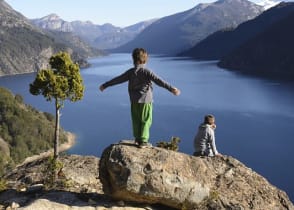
(140, 83)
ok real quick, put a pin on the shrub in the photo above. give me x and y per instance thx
(49, 116)
(2, 184)
(172, 145)
(18, 98)
(53, 174)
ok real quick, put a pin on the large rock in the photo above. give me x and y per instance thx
(155, 175)
(82, 191)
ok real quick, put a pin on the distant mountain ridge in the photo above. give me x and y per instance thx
(222, 42)
(104, 36)
(11, 18)
(268, 54)
(26, 48)
(81, 49)
(175, 33)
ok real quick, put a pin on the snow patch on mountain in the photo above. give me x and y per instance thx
(267, 4)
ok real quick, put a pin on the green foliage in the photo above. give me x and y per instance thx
(50, 172)
(49, 116)
(184, 207)
(2, 184)
(63, 81)
(172, 145)
(213, 195)
(53, 175)
(1, 164)
(26, 131)
(19, 98)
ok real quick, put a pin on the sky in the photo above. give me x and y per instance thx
(117, 12)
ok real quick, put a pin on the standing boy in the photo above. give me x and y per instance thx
(140, 91)
(204, 142)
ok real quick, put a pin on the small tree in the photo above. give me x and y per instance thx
(62, 82)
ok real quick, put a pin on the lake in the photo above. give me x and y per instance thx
(254, 117)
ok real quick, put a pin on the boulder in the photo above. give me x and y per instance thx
(82, 190)
(155, 175)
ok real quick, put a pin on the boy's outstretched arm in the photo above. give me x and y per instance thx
(117, 80)
(160, 82)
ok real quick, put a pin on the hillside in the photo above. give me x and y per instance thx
(24, 47)
(75, 43)
(104, 36)
(181, 31)
(269, 54)
(222, 42)
(24, 131)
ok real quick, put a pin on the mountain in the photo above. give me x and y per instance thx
(175, 33)
(86, 30)
(104, 36)
(110, 40)
(24, 130)
(224, 41)
(268, 54)
(75, 43)
(24, 47)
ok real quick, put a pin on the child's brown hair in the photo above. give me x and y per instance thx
(139, 56)
(208, 118)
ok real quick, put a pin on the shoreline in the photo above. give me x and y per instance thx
(71, 141)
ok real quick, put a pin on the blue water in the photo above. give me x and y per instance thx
(254, 117)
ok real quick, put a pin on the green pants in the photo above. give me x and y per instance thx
(142, 120)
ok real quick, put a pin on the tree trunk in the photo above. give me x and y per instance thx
(56, 137)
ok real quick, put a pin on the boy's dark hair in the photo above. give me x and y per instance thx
(208, 118)
(139, 56)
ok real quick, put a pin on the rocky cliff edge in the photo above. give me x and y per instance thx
(128, 177)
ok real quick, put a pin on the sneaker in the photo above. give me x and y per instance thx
(144, 145)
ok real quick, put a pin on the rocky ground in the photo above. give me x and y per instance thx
(131, 178)
(80, 188)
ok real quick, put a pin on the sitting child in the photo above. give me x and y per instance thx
(204, 142)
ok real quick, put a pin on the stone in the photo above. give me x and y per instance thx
(84, 190)
(80, 171)
(14, 205)
(156, 175)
